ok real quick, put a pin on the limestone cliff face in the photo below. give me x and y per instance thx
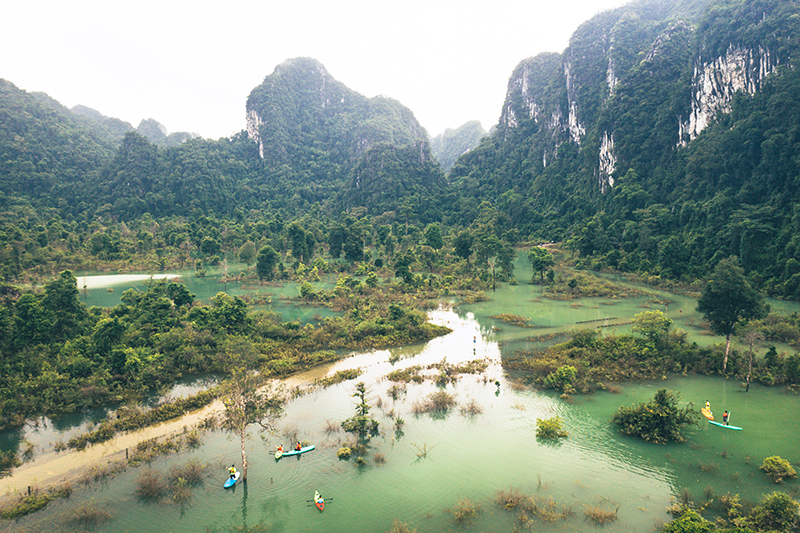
(608, 162)
(527, 93)
(716, 81)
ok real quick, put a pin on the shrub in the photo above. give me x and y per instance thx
(562, 379)
(439, 401)
(471, 408)
(549, 428)
(658, 421)
(465, 511)
(191, 472)
(400, 527)
(778, 469)
(600, 516)
(776, 512)
(344, 452)
(150, 486)
(89, 516)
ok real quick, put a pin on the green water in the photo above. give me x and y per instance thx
(104, 290)
(471, 456)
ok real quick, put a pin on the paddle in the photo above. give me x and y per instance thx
(326, 500)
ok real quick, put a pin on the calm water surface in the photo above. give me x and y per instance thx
(470, 457)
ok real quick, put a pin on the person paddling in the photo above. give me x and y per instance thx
(725, 416)
(297, 446)
(232, 471)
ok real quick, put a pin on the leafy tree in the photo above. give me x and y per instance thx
(62, 301)
(463, 246)
(265, 263)
(433, 236)
(658, 421)
(778, 468)
(776, 511)
(540, 260)
(728, 299)
(250, 399)
(653, 325)
(247, 253)
(488, 249)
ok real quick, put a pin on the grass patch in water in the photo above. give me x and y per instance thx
(435, 402)
(514, 320)
(332, 426)
(192, 472)
(404, 375)
(101, 472)
(708, 468)
(150, 487)
(401, 527)
(88, 516)
(465, 512)
(471, 408)
(397, 390)
(35, 501)
(339, 376)
(600, 516)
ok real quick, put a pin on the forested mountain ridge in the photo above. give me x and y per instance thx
(43, 146)
(660, 141)
(449, 145)
(313, 133)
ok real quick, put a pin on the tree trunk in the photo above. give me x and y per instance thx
(727, 349)
(749, 370)
(244, 455)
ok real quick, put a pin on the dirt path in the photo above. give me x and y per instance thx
(53, 468)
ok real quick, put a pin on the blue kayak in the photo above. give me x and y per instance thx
(298, 452)
(231, 481)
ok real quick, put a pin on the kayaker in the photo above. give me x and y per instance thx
(232, 471)
(297, 446)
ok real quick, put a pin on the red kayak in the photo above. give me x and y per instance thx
(319, 501)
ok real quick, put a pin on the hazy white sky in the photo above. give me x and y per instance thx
(191, 64)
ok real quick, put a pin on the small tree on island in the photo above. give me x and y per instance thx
(550, 428)
(361, 423)
(658, 421)
(250, 399)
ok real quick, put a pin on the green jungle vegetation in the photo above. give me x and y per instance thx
(328, 183)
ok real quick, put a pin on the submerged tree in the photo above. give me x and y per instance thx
(540, 260)
(729, 299)
(251, 399)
